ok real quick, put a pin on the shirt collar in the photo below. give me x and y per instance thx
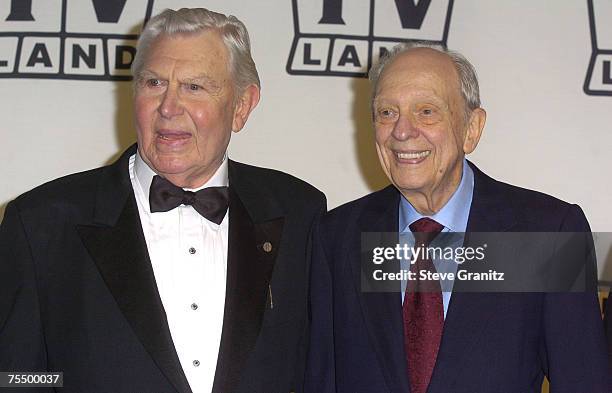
(145, 174)
(453, 215)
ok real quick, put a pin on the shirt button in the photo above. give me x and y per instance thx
(194, 306)
(196, 363)
(192, 250)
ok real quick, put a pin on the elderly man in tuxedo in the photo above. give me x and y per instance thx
(175, 269)
(427, 118)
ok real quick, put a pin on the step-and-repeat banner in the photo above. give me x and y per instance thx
(544, 67)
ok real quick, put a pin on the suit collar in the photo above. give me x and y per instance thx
(256, 222)
(380, 214)
(116, 243)
(468, 313)
(113, 190)
(252, 249)
(260, 202)
(382, 310)
(491, 210)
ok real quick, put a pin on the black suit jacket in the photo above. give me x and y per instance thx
(78, 294)
(492, 342)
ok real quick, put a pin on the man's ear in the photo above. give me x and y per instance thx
(244, 105)
(475, 126)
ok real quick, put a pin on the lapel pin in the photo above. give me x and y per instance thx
(267, 246)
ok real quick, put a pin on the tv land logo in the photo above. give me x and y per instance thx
(70, 39)
(598, 81)
(344, 38)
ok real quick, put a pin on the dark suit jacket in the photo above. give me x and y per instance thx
(78, 294)
(608, 325)
(492, 342)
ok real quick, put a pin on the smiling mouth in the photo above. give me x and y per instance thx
(417, 155)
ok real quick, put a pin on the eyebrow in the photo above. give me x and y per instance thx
(434, 99)
(145, 74)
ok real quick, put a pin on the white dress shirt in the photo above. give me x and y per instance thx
(189, 258)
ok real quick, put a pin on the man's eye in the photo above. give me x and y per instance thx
(194, 87)
(385, 113)
(153, 82)
(385, 116)
(428, 115)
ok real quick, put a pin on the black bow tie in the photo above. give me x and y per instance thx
(211, 202)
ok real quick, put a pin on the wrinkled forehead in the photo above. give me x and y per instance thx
(420, 69)
(204, 48)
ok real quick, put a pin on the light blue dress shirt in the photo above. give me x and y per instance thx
(454, 216)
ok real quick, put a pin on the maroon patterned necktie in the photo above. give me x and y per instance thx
(423, 312)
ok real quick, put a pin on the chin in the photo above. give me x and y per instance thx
(408, 185)
(169, 166)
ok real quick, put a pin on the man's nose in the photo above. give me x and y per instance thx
(171, 104)
(405, 128)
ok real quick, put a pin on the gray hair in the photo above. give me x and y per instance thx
(198, 20)
(468, 81)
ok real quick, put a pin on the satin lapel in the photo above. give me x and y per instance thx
(252, 250)
(117, 245)
(468, 313)
(383, 310)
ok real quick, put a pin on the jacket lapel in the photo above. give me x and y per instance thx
(255, 229)
(383, 310)
(468, 313)
(116, 243)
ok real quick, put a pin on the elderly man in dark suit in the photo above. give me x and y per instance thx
(136, 277)
(427, 117)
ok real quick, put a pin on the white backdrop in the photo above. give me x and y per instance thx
(543, 130)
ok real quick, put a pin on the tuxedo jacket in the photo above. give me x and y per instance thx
(78, 293)
(491, 342)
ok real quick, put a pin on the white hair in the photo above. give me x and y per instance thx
(198, 20)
